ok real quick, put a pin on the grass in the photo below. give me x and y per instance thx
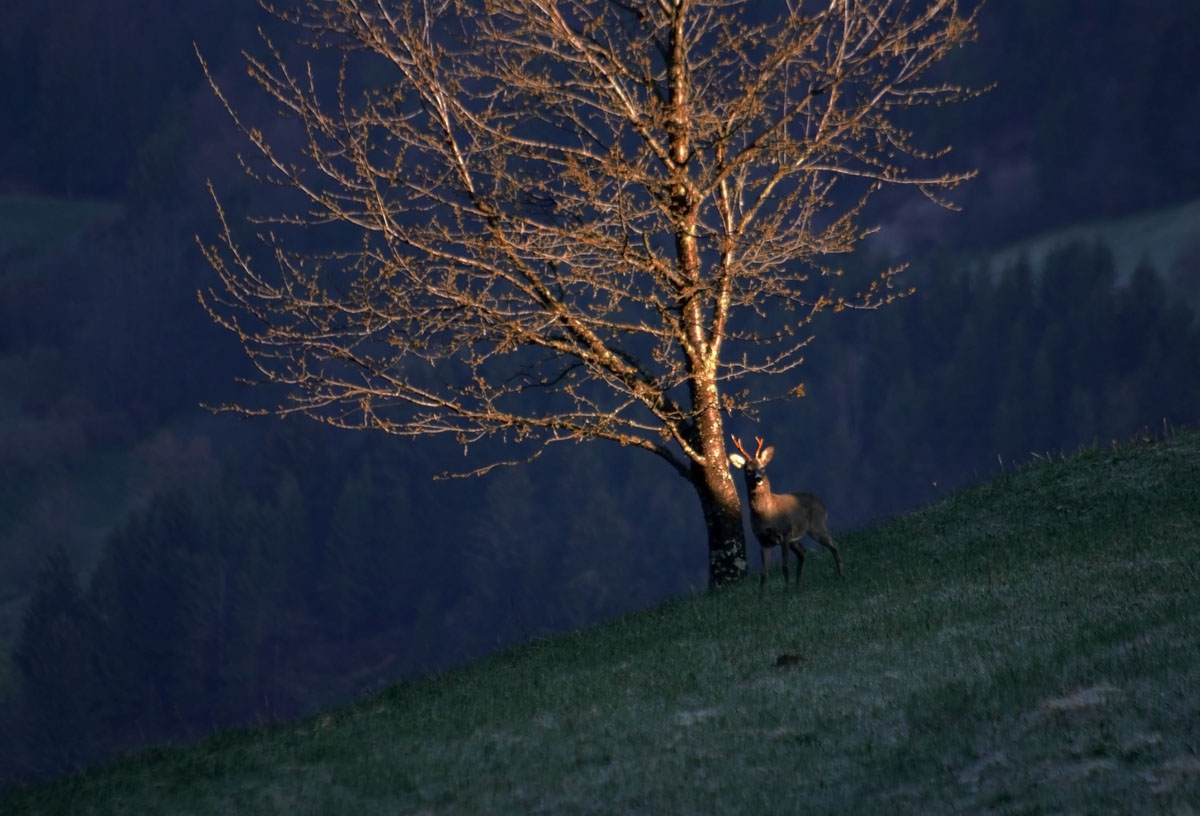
(1029, 645)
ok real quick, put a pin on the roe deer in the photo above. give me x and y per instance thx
(781, 519)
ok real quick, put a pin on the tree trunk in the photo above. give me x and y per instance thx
(718, 495)
(723, 520)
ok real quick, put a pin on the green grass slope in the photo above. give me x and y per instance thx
(1030, 645)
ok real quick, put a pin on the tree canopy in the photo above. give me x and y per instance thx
(574, 221)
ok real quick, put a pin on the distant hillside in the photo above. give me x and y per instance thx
(1026, 645)
(32, 228)
(33, 224)
(1169, 239)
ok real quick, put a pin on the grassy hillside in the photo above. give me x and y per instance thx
(1027, 645)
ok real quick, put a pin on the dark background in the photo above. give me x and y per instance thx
(165, 572)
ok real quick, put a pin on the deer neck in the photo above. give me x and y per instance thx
(761, 497)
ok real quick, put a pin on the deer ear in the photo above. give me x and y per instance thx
(766, 455)
(737, 459)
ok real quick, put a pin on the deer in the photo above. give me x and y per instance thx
(781, 519)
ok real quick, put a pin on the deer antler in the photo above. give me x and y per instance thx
(757, 452)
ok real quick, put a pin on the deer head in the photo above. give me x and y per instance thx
(752, 466)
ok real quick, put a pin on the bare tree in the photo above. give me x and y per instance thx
(567, 220)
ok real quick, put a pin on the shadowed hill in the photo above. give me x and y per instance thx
(1029, 644)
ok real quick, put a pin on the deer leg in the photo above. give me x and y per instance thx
(783, 554)
(798, 548)
(762, 582)
(826, 539)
